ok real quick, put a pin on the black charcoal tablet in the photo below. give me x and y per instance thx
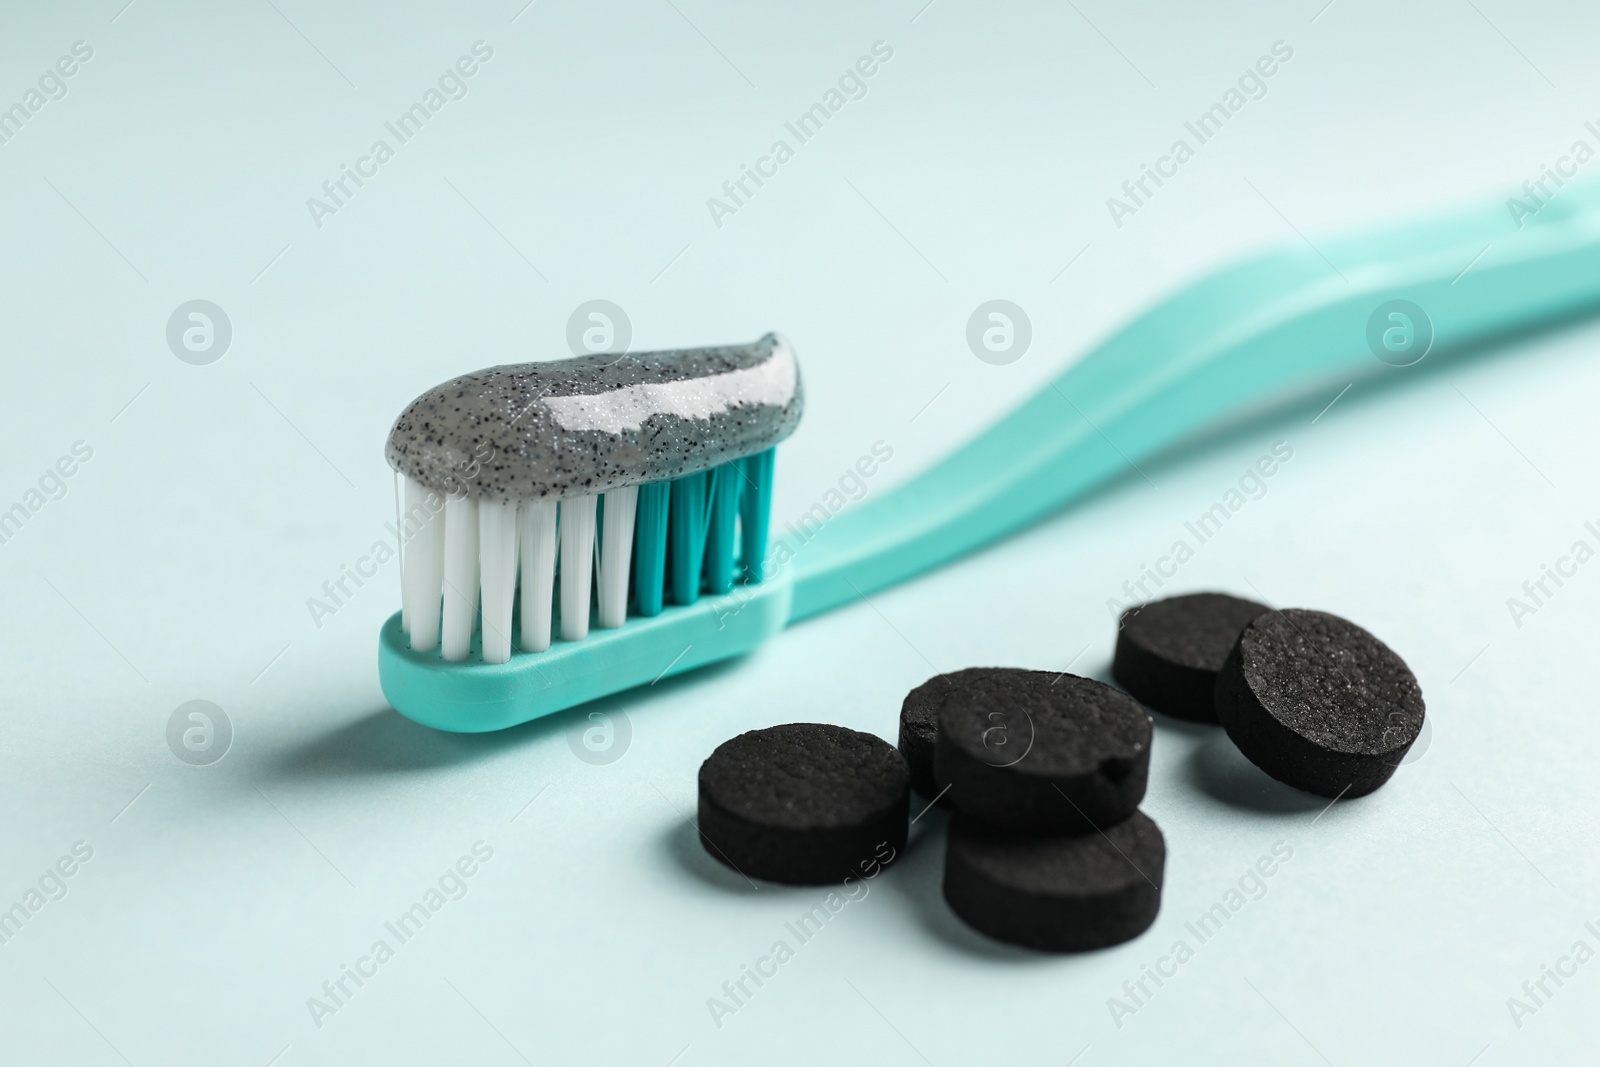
(804, 804)
(919, 724)
(1060, 893)
(1318, 703)
(1035, 750)
(1169, 651)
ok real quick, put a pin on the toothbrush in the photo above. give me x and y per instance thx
(1283, 327)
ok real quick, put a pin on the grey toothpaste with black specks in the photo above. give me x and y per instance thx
(561, 428)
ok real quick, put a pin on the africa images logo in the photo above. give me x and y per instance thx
(199, 733)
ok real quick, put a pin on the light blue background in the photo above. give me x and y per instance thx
(977, 166)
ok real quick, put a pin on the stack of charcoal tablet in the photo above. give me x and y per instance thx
(1312, 699)
(1044, 772)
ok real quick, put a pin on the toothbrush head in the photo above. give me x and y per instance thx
(641, 483)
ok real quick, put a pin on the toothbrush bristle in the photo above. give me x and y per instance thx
(536, 532)
(686, 536)
(497, 558)
(576, 567)
(460, 577)
(616, 551)
(650, 549)
(723, 510)
(492, 567)
(422, 567)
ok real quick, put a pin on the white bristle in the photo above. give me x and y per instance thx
(470, 565)
(423, 528)
(400, 549)
(577, 565)
(460, 576)
(616, 556)
(536, 530)
(497, 559)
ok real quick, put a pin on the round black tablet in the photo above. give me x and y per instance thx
(919, 724)
(1169, 651)
(1061, 893)
(1319, 703)
(805, 803)
(1035, 750)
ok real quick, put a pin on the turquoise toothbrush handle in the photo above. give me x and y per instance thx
(1275, 329)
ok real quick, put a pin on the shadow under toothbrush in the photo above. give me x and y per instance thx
(383, 742)
(380, 743)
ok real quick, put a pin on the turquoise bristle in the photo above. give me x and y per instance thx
(686, 535)
(702, 533)
(724, 514)
(755, 512)
(650, 548)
